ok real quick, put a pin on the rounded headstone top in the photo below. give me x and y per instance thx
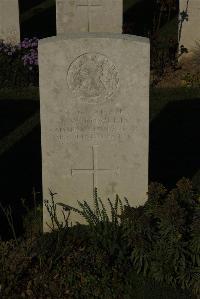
(103, 35)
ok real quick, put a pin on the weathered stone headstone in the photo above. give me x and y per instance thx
(9, 21)
(190, 32)
(94, 93)
(89, 16)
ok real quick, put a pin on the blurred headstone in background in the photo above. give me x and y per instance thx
(9, 21)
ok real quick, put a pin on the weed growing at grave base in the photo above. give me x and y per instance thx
(106, 234)
(151, 251)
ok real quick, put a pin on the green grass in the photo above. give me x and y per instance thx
(160, 97)
(7, 142)
(129, 3)
(28, 93)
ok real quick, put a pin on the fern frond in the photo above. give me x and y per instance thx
(85, 213)
(96, 204)
(116, 208)
(91, 215)
(127, 203)
(112, 211)
(68, 208)
(104, 216)
(121, 210)
(121, 206)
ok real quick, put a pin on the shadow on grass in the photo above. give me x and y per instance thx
(14, 112)
(20, 163)
(174, 143)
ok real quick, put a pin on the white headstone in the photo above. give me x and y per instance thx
(89, 16)
(94, 93)
(190, 30)
(9, 21)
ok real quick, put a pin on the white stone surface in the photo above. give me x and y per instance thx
(89, 16)
(94, 94)
(9, 21)
(190, 30)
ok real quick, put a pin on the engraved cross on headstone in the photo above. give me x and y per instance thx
(87, 4)
(94, 170)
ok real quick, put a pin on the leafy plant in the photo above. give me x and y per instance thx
(96, 216)
(192, 80)
(106, 233)
(164, 236)
(155, 246)
(52, 210)
(159, 234)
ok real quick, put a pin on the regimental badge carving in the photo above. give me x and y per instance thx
(93, 78)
